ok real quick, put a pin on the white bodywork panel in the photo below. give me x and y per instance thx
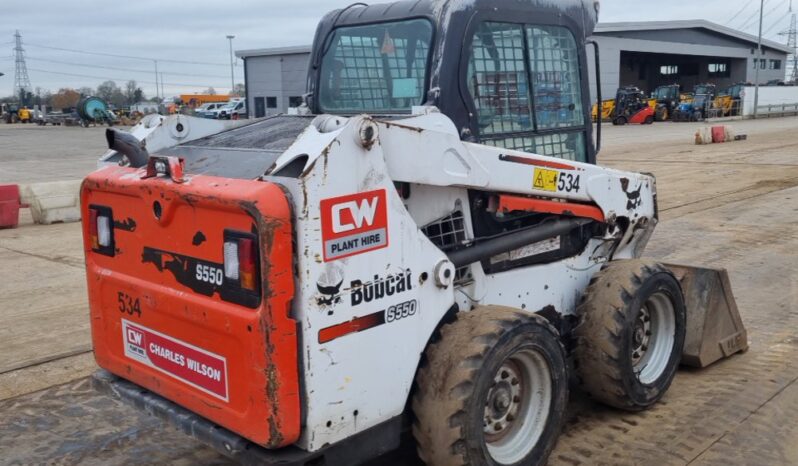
(361, 253)
(160, 132)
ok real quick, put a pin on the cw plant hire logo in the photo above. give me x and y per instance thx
(354, 224)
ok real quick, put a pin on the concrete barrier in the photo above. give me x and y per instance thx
(54, 202)
(716, 134)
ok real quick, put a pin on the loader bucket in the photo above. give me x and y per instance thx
(714, 327)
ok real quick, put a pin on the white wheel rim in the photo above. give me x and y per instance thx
(653, 338)
(516, 413)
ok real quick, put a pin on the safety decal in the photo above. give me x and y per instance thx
(554, 181)
(194, 366)
(354, 224)
(545, 180)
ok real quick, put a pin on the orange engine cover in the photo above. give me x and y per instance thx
(165, 317)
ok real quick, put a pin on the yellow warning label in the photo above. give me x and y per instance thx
(546, 179)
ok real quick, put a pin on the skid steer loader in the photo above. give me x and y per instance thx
(426, 248)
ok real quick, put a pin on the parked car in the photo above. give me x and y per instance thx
(203, 110)
(233, 110)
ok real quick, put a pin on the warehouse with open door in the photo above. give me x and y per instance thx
(651, 54)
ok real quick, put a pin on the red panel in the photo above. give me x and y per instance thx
(640, 117)
(9, 206)
(536, 163)
(175, 332)
(355, 325)
(718, 134)
(545, 206)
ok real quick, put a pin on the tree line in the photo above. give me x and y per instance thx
(109, 91)
(67, 97)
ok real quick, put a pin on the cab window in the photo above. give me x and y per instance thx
(525, 83)
(378, 67)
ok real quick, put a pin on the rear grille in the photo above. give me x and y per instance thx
(447, 234)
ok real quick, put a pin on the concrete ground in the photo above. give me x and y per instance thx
(729, 205)
(32, 153)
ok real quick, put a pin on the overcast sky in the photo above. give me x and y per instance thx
(195, 31)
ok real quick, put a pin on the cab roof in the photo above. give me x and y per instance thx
(359, 13)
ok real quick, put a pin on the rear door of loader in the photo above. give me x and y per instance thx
(190, 285)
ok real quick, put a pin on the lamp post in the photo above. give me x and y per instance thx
(232, 72)
(157, 90)
(758, 61)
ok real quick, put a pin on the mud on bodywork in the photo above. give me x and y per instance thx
(154, 264)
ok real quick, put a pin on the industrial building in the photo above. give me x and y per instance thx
(643, 54)
(275, 78)
(650, 54)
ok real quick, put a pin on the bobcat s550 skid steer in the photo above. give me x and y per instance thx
(431, 245)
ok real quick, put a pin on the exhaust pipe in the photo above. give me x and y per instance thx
(514, 241)
(129, 146)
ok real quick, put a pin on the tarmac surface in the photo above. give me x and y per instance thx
(732, 206)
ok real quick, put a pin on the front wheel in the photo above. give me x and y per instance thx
(493, 391)
(631, 334)
(620, 121)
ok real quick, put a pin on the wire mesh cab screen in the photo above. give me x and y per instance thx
(525, 82)
(377, 68)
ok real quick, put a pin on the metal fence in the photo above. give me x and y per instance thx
(777, 110)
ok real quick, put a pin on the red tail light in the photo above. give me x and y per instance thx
(247, 263)
(241, 261)
(95, 242)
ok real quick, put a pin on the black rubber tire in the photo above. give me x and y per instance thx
(620, 121)
(649, 120)
(449, 401)
(661, 114)
(603, 348)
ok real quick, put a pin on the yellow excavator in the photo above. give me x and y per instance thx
(24, 115)
(607, 109)
(727, 103)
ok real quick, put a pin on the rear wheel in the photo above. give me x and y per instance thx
(631, 334)
(493, 391)
(649, 120)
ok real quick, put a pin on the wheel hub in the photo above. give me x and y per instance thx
(503, 401)
(653, 337)
(641, 336)
(517, 405)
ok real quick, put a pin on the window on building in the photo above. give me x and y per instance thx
(294, 101)
(774, 65)
(271, 102)
(525, 84)
(763, 64)
(669, 70)
(719, 70)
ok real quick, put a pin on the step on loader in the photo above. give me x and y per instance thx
(415, 250)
